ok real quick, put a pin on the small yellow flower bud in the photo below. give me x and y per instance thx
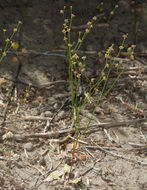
(89, 23)
(84, 57)
(92, 79)
(91, 26)
(4, 30)
(94, 18)
(7, 40)
(68, 29)
(87, 30)
(125, 36)
(102, 73)
(19, 22)
(73, 16)
(121, 47)
(99, 54)
(129, 49)
(83, 70)
(133, 46)
(64, 38)
(63, 31)
(66, 20)
(79, 40)
(107, 56)
(107, 65)
(80, 64)
(116, 6)
(132, 57)
(61, 12)
(75, 72)
(78, 75)
(15, 45)
(69, 45)
(75, 56)
(4, 54)
(116, 65)
(15, 30)
(112, 13)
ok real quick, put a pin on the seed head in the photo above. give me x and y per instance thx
(121, 47)
(15, 30)
(61, 12)
(73, 16)
(125, 36)
(87, 30)
(15, 45)
(80, 64)
(84, 57)
(7, 40)
(131, 57)
(4, 54)
(94, 18)
(19, 22)
(4, 30)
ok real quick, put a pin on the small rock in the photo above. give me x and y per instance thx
(28, 147)
(56, 106)
(48, 113)
(35, 103)
(61, 114)
(51, 100)
(34, 111)
(42, 114)
(98, 110)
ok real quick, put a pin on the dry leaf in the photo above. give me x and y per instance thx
(2, 81)
(24, 50)
(64, 155)
(76, 181)
(82, 157)
(54, 176)
(15, 60)
(69, 147)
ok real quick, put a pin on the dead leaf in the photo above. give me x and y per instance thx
(64, 154)
(69, 147)
(54, 176)
(76, 181)
(14, 60)
(24, 50)
(82, 157)
(2, 81)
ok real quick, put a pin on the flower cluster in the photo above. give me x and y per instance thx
(9, 43)
(109, 51)
(130, 51)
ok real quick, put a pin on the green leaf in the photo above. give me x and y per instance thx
(67, 168)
